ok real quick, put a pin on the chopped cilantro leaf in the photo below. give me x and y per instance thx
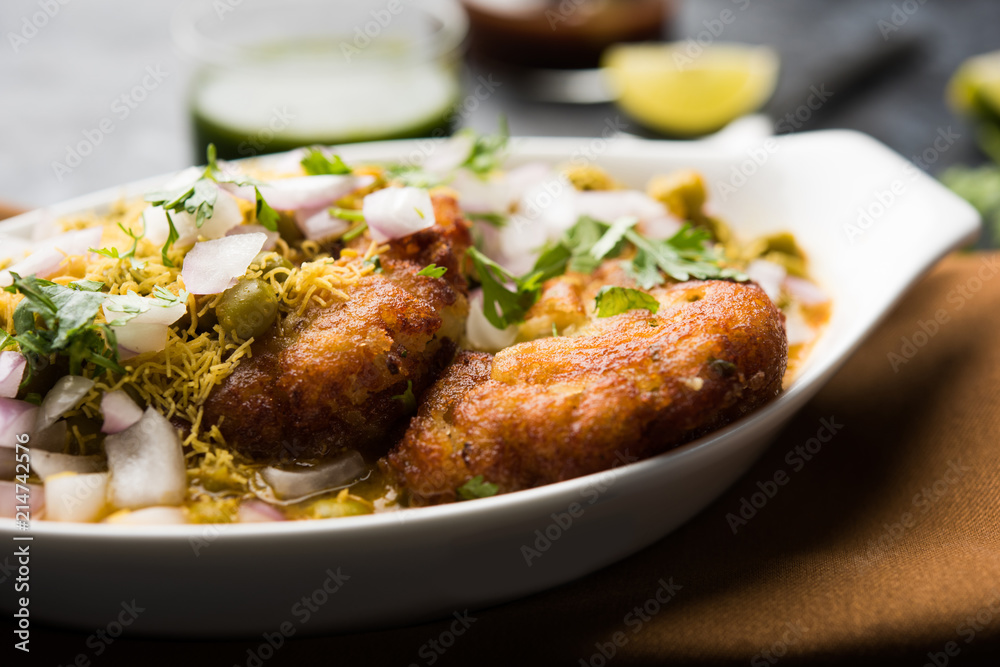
(376, 262)
(493, 219)
(316, 163)
(68, 328)
(355, 232)
(687, 254)
(347, 214)
(511, 303)
(488, 151)
(407, 397)
(266, 215)
(612, 300)
(477, 488)
(432, 271)
(412, 176)
(87, 285)
(172, 236)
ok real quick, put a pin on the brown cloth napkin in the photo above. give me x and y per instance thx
(882, 547)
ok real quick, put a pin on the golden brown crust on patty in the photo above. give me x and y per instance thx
(326, 380)
(631, 385)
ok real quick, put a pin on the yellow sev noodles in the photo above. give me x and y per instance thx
(178, 380)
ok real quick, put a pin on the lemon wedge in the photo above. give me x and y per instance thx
(975, 87)
(683, 89)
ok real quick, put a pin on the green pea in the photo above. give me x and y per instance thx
(268, 261)
(248, 309)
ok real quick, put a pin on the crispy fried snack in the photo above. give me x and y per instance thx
(326, 380)
(630, 385)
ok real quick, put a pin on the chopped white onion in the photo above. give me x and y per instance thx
(9, 502)
(257, 511)
(76, 497)
(46, 464)
(805, 292)
(551, 204)
(318, 225)
(448, 155)
(51, 439)
(272, 237)
(150, 516)
(327, 476)
(214, 266)
(392, 213)
(480, 333)
(521, 179)
(289, 194)
(64, 395)
(768, 275)
(520, 242)
(609, 205)
(134, 339)
(16, 418)
(660, 229)
(12, 366)
(151, 310)
(50, 254)
(481, 195)
(146, 462)
(226, 214)
(119, 411)
(15, 248)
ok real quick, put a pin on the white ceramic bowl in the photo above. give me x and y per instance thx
(418, 564)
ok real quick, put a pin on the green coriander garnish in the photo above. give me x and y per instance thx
(612, 300)
(477, 488)
(432, 271)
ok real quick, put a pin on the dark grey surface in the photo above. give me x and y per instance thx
(64, 80)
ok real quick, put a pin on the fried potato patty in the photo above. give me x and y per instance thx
(326, 380)
(622, 387)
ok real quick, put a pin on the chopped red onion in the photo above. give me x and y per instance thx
(318, 225)
(12, 365)
(64, 395)
(272, 237)
(393, 213)
(49, 254)
(214, 266)
(805, 292)
(146, 462)
(226, 214)
(609, 205)
(481, 195)
(46, 464)
(76, 497)
(16, 418)
(119, 411)
(257, 511)
(768, 275)
(9, 503)
(448, 155)
(289, 194)
(523, 178)
(327, 476)
(552, 204)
